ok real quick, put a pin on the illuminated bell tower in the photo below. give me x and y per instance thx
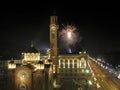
(53, 41)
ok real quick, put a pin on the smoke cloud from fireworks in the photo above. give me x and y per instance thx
(69, 35)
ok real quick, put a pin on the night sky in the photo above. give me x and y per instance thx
(97, 28)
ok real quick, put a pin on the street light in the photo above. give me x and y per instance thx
(89, 82)
(87, 71)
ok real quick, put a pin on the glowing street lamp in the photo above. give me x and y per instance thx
(90, 82)
(87, 71)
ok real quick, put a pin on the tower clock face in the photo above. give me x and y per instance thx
(53, 27)
(22, 74)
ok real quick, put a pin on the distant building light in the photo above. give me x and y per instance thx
(106, 67)
(119, 76)
(40, 65)
(11, 65)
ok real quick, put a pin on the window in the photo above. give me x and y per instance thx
(61, 66)
(70, 65)
(75, 70)
(75, 65)
(66, 65)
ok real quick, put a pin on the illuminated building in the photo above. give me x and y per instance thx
(66, 66)
(36, 72)
(31, 56)
(53, 41)
(31, 74)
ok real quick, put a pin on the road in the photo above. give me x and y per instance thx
(105, 79)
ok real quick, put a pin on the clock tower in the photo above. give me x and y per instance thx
(53, 41)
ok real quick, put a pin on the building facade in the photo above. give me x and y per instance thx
(54, 42)
(49, 72)
(31, 74)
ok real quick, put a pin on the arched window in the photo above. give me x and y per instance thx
(83, 63)
(22, 87)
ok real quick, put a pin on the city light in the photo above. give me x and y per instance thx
(87, 71)
(11, 65)
(118, 76)
(90, 82)
(98, 86)
(75, 71)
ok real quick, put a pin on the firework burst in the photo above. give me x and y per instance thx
(69, 34)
